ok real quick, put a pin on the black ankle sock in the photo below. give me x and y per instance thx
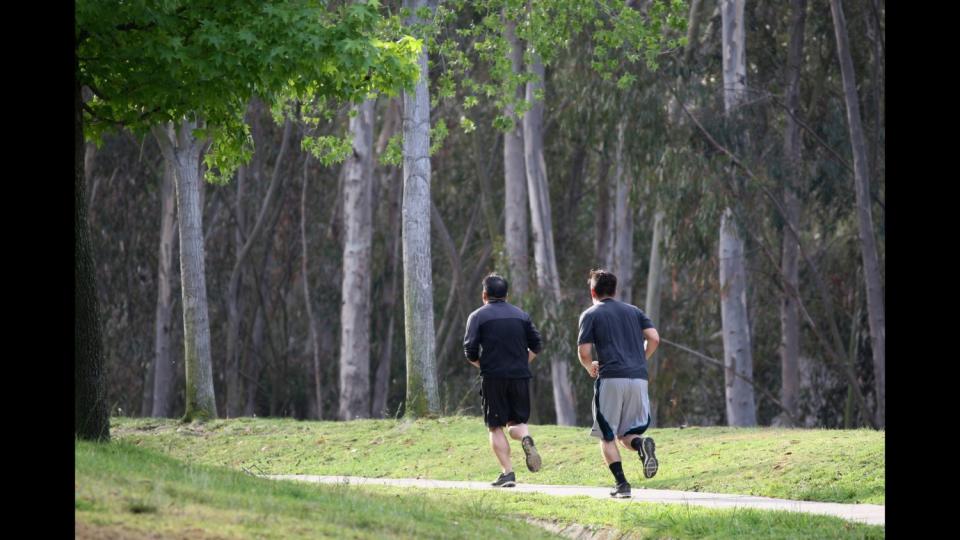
(635, 443)
(617, 469)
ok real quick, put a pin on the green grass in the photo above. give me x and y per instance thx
(648, 520)
(122, 491)
(802, 464)
(125, 491)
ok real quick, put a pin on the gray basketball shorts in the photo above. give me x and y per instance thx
(620, 407)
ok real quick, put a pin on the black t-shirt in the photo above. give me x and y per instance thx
(616, 330)
(499, 334)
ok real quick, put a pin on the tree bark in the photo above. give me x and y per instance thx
(868, 245)
(382, 378)
(517, 233)
(545, 260)
(393, 185)
(652, 304)
(623, 223)
(789, 311)
(422, 396)
(91, 418)
(355, 297)
(602, 225)
(308, 303)
(184, 150)
(165, 364)
(741, 410)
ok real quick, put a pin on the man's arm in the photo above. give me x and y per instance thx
(584, 350)
(585, 345)
(471, 341)
(653, 341)
(534, 342)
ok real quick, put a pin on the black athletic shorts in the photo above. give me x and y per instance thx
(505, 400)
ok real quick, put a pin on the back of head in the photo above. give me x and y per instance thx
(602, 283)
(495, 286)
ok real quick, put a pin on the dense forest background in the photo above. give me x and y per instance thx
(662, 143)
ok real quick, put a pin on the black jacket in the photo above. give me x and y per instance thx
(499, 334)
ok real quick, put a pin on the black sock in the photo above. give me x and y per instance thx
(617, 469)
(636, 444)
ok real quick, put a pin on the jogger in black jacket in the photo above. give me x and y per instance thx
(501, 340)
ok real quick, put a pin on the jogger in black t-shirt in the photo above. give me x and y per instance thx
(621, 404)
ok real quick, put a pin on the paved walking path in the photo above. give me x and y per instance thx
(872, 514)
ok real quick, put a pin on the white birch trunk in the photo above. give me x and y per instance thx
(184, 150)
(165, 369)
(355, 293)
(623, 223)
(545, 260)
(422, 395)
(517, 233)
(741, 410)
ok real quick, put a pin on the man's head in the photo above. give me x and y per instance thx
(603, 284)
(494, 287)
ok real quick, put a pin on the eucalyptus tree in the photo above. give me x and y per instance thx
(422, 394)
(737, 353)
(868, 242)
(186, 71)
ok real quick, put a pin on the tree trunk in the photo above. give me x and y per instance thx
(308, 303)
(358, 239)
(516, 230)
(868, 245)
(652, 305)
(602, 225)
(741, 410)
(382, 380)
(422, 395)
(392, 182)
(545, 260)
(165, 366)
(183, 150)
(789, 311)
(91, 419)
(623, 223)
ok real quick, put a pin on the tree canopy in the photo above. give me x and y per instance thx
(151, 61)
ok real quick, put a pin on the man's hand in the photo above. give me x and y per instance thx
(474, 363)
(530, 356)
(652, 341)
(584, 351)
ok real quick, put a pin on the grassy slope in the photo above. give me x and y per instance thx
(128, 492)
(123, 491)
(821, 465)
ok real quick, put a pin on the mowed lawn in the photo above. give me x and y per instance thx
(126, 491)
(122, 491)
(816, 465)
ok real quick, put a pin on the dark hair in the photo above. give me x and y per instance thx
(495, 286)
(602, 282)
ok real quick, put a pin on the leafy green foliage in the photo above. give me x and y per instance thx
(329, 149)
(475, 56)
(153, 61)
